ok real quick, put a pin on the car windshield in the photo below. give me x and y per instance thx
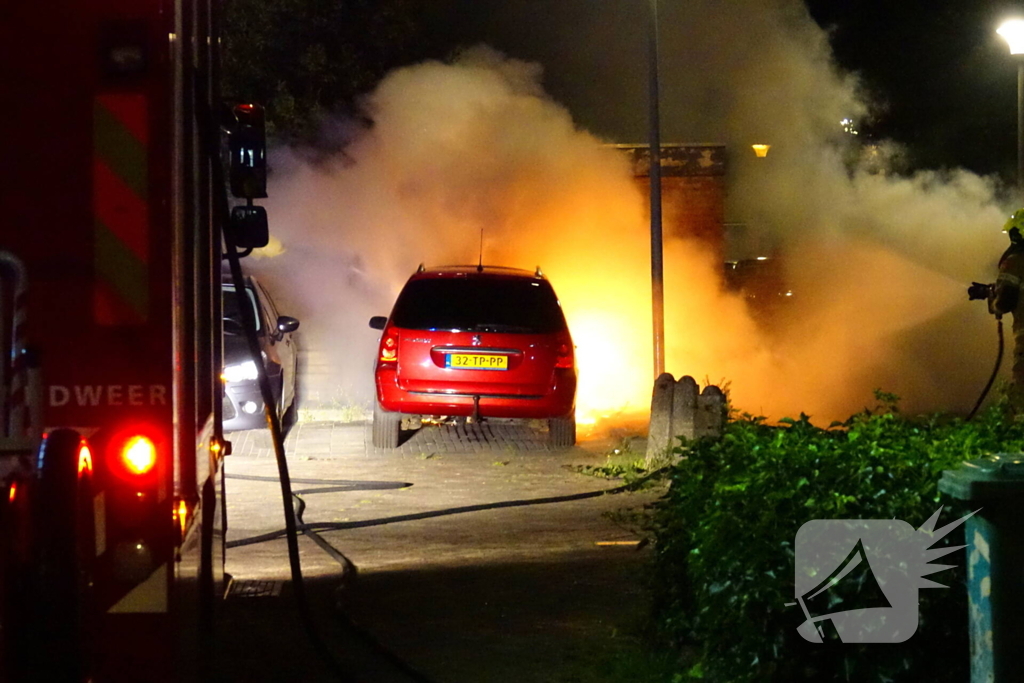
(479, 305)
(231, 310)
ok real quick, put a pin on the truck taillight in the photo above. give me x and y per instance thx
(138, 455)
(565, 358)
(389, 346)
(133, 456)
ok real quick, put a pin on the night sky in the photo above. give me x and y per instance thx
(938, 77)
(943, 79)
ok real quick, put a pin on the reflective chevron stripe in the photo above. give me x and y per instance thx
(150, 596)
(121, 209)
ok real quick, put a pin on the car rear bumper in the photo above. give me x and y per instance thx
(557, 400)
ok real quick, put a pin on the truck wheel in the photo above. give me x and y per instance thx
(65, 549)
(562, 431)
(387, 427)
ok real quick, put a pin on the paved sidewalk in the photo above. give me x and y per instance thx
(450, 577)
(308, 439)
(337, 439)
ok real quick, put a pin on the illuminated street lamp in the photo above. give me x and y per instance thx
(1012, 32)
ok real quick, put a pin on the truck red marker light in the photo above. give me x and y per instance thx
(138, 455)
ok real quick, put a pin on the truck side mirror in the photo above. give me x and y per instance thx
(378, 322)
(247, 142)
(249, 228)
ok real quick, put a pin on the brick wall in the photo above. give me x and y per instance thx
(692, 189)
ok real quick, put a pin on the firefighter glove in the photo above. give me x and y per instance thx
(979, 291)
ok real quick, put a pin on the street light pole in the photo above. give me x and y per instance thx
(1012, 32)
(1020, 128)
(657, 265)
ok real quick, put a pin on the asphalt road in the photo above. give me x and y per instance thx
(447, 587)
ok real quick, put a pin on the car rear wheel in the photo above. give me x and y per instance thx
(562, 431)
(386, 427)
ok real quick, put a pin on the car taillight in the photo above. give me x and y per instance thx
(389, 346)
(565, 357)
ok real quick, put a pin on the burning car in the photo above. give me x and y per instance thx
(475, 342)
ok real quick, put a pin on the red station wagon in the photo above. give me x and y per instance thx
(475, 342)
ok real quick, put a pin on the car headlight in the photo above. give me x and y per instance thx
(240, 372)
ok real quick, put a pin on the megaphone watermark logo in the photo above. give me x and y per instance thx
(857, 580)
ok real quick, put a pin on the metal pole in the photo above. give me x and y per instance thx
(1020, 128)
(657, 266)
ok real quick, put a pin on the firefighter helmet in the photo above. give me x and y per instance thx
(1015, 221)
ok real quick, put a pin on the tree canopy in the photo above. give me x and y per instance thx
(305, 59)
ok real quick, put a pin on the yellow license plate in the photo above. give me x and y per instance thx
(476, 361)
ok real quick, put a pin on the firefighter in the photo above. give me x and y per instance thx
(1005, 297)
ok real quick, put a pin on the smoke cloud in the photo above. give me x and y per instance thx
(877, 262)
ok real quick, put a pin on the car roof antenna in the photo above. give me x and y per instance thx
(480, 263)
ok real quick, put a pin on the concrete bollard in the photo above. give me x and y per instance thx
(659, 432)
(710, 414)
(679, 409)
(684, 408)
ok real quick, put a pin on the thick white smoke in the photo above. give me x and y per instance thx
(878, 263)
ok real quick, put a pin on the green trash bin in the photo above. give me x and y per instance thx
(994, 485)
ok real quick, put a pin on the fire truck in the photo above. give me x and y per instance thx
(111, 205)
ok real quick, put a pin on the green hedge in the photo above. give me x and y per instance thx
(724, 532)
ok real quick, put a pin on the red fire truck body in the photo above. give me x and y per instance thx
(113, 332)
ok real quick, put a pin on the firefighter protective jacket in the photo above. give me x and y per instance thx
(1008, 297)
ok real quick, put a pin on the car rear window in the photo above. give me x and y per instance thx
(479, 305)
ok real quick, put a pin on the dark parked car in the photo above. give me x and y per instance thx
(475, 342)
(243, 404)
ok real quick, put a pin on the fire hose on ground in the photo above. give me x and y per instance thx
(428, 514)
(274, 424)
(209, 128)
(348, 567)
